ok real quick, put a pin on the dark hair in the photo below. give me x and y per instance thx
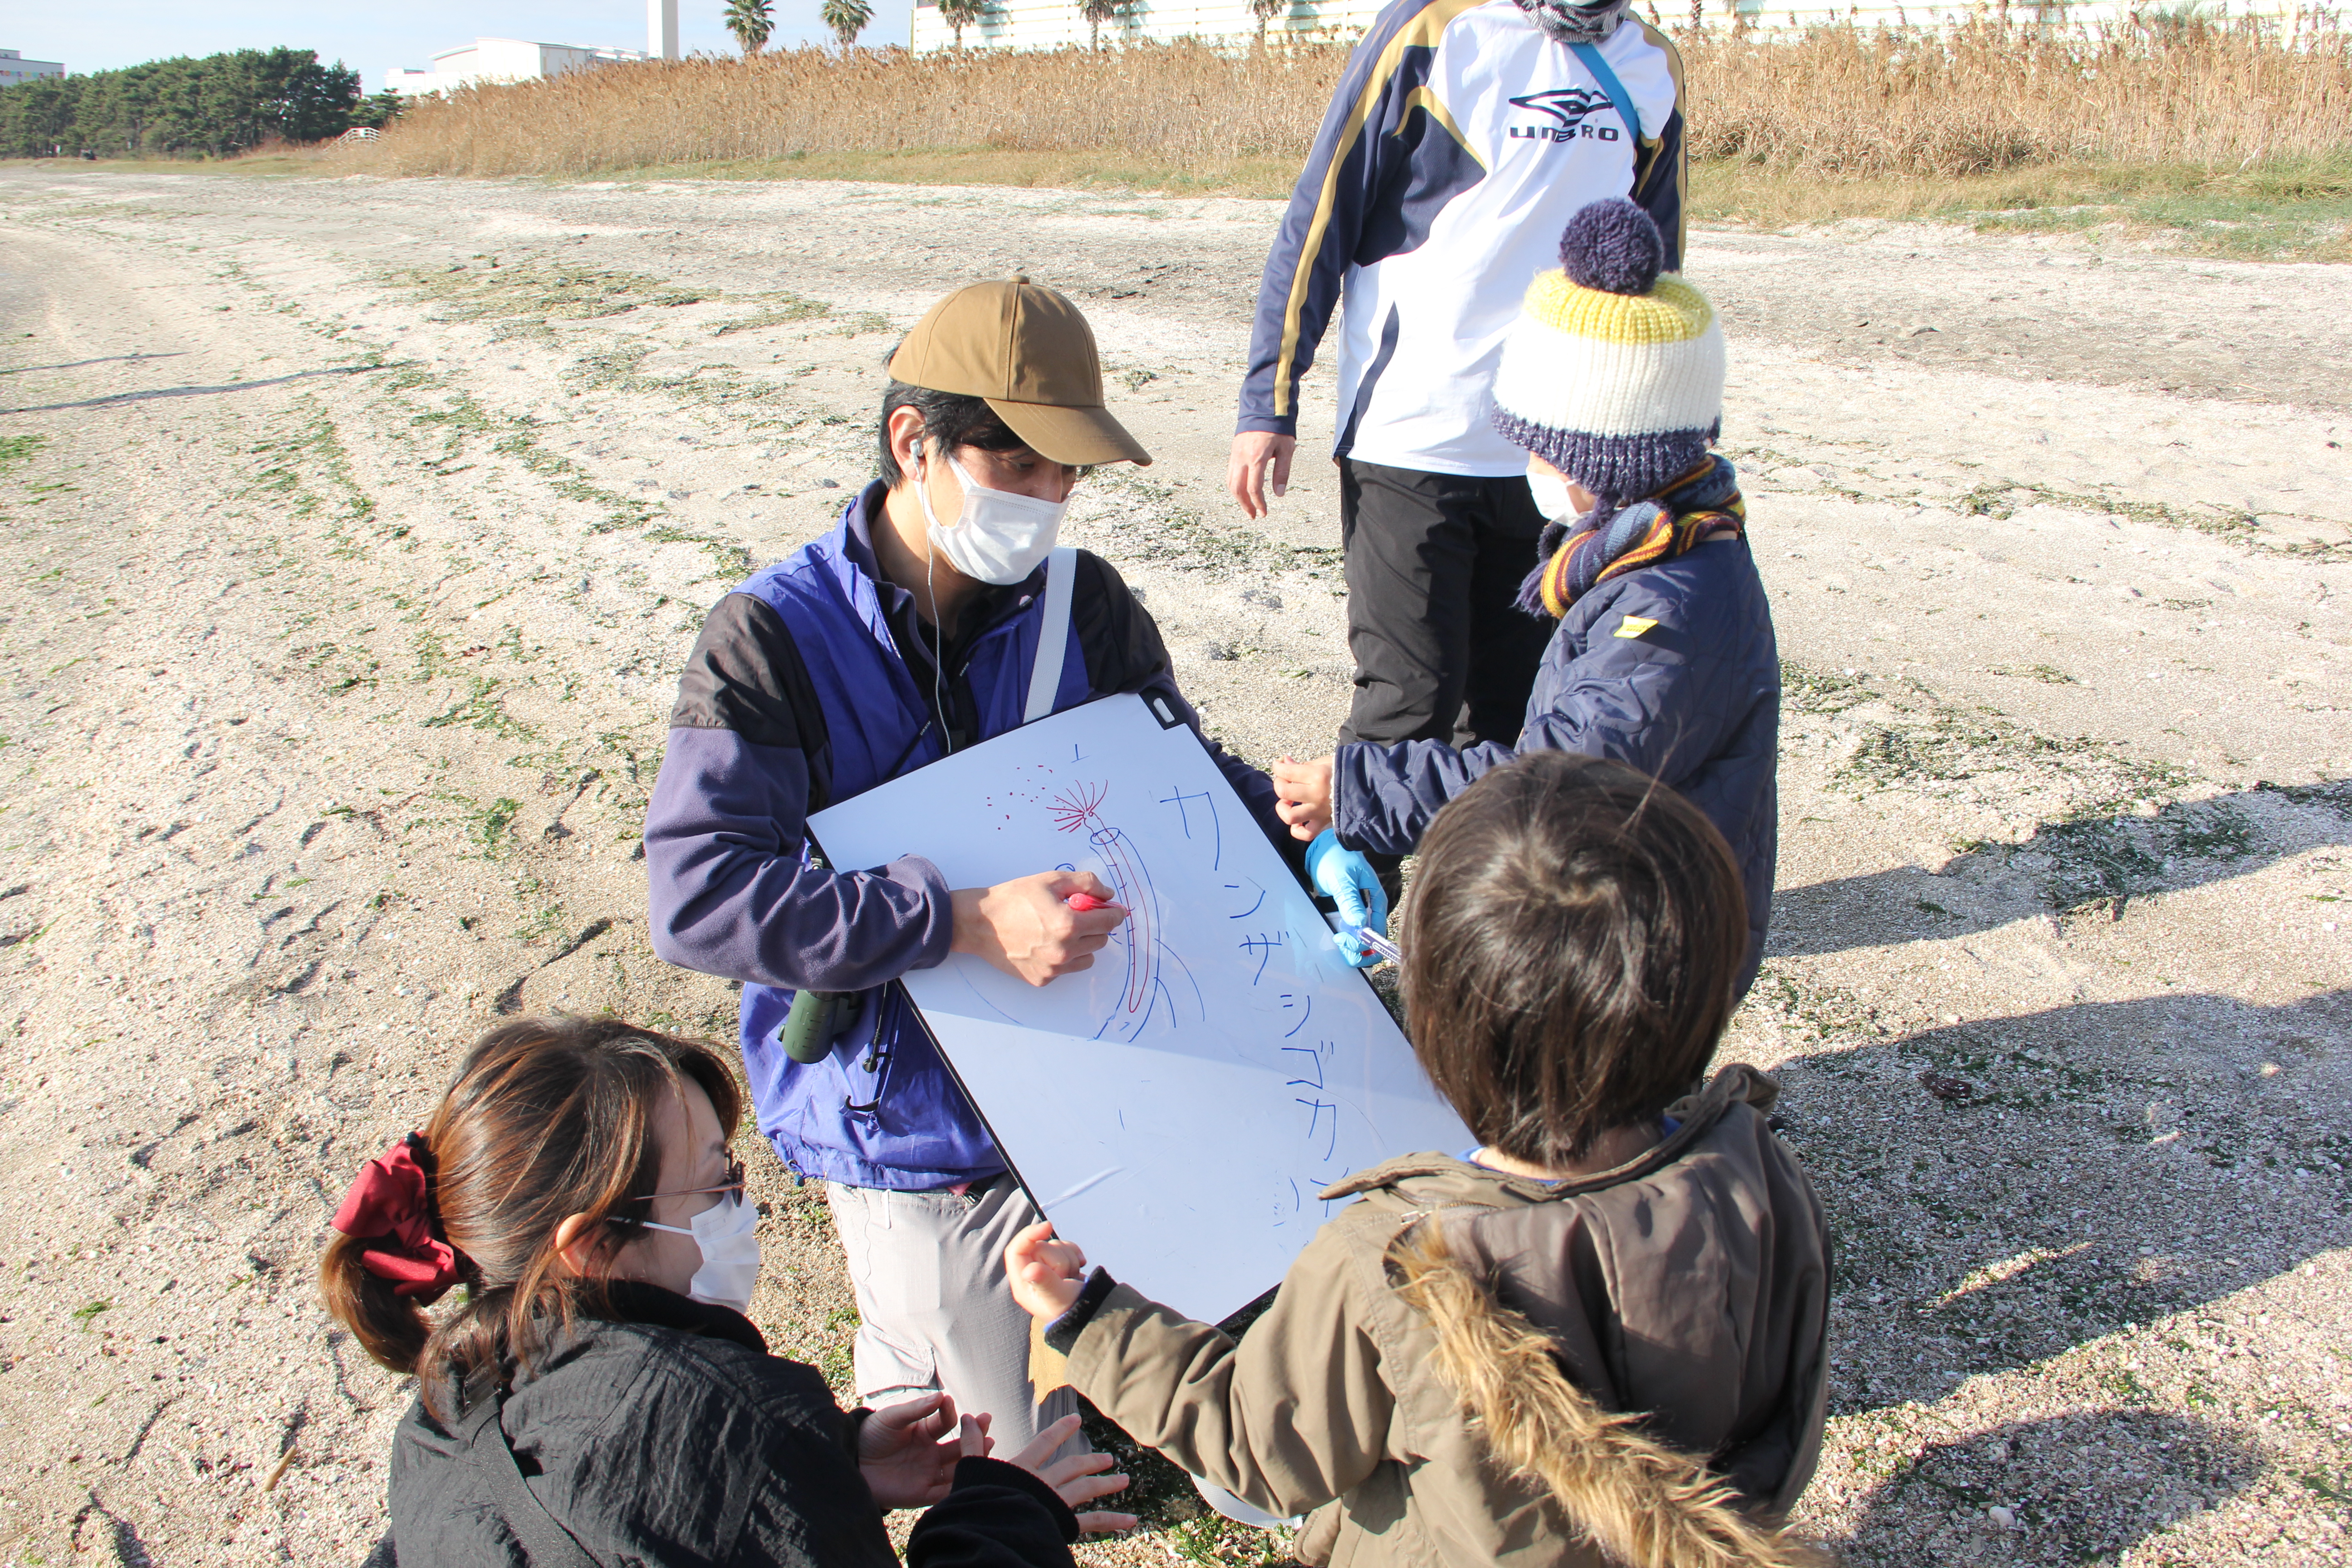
(950, 420)
(1572, 940)
(547, 1118)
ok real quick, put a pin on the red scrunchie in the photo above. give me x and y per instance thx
(388, 1207)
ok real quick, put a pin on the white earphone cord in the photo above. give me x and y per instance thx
(938, 641)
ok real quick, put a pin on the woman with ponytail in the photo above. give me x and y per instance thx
(598, 1396)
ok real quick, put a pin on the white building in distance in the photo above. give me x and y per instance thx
(15, 68)
(1051, 24)
(500, 61)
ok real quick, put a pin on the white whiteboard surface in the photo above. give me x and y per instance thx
(1175, 1109)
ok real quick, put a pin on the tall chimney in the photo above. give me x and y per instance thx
(661, 29)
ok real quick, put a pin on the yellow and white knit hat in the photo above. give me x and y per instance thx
(1613, 374)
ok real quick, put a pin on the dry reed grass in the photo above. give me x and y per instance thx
(1993, 95)
(1181, 106)
(1843, 102)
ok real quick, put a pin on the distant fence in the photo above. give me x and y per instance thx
(1051, 24)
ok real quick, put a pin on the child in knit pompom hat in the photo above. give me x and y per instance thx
(1663, 657)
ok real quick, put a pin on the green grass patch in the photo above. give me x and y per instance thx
(2279, 209)
(539, 292)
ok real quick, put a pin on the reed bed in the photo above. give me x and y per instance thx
(1993, 95)
(1183, 106)
(1837, 101)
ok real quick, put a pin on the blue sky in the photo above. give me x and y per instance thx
(100, 35)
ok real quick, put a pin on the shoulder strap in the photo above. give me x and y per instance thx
(545, 1543)
(1621, 100)
(1053, 634)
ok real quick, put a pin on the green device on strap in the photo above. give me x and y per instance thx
(817, 1017)
(816, 1021)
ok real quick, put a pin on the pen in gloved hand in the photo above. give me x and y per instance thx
(1378, 943)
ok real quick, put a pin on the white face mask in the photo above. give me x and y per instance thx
(1551, 495)
(728, 1232)
(1001, 537)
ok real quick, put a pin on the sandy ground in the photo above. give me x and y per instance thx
(353, 533)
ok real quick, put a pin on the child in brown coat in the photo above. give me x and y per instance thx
(1599, 1336)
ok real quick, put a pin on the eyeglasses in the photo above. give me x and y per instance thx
(733, 1184)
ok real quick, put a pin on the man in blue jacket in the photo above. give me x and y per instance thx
(936, 614)
(1462, 136)
(1661, 654)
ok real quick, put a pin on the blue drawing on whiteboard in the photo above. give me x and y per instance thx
(1256, 904)
(1302, 1005)
(1145, 992)
(1315, 1113)
(1184, 819)
(1264, 946)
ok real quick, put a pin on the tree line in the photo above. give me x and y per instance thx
(214, 107)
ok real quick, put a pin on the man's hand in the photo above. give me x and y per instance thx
(1024, 929)
(1046, 1275)
(1302, 796)
(907, 1453)
(1245, 473)
(1077, 1480)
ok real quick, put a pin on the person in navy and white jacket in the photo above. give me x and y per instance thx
(1463, 137)
(935, 615)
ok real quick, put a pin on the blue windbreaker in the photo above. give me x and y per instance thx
(811, 683)
(1693, 701)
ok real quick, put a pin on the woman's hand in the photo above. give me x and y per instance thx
(1046, 1275)
(1302, 796)
(907, 1453)
(1077, 1480)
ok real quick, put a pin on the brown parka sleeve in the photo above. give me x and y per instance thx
(1298, 1412)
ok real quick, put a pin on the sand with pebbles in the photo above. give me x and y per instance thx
(352, 534)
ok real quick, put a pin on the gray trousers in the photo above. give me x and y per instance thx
(934, 1310)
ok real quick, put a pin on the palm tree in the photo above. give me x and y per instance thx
(1267, 11)
(962, 13)
(847, 18)
(1097, 12)
(750, 21)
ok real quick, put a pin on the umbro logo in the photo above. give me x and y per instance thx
(1569, 106)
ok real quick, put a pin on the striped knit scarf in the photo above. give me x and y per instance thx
(1703, 504)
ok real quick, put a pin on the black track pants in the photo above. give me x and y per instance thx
(1433, 562)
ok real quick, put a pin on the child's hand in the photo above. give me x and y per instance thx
(907, 1452)
(1046, 1275)
(1077, 1480)
(1302, 796)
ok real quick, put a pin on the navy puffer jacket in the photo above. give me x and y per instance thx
(1694, 699)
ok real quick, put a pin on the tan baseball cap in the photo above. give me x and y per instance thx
(1027, 351)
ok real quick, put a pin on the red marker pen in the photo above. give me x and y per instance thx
(1086, 903)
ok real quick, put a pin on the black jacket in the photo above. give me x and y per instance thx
(674, 1438)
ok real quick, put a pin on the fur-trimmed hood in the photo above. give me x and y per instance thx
(1641, 1503)
(1466, 1367)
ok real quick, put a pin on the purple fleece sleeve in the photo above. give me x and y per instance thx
(730, 896)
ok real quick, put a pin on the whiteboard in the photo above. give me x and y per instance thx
(1175, 1109)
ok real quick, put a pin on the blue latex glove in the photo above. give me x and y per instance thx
(1347, 879)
